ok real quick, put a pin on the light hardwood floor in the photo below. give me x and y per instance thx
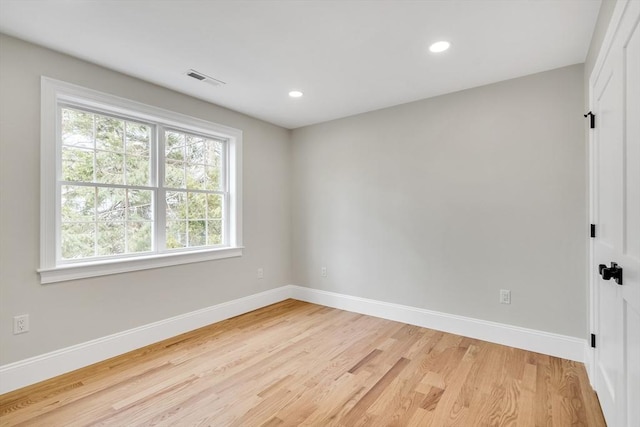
(295, 363)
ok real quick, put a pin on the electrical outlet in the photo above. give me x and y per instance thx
(260, 273)
(505, 296)
(20, 324)
(323, 271)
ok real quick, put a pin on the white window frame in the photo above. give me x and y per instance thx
(54, 93)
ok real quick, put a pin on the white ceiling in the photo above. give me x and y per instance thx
(347, 57)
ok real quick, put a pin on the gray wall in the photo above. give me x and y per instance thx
(442, 202)
(68, 313)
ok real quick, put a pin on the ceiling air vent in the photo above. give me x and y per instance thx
(204, 78)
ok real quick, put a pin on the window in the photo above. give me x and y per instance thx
(127, 186)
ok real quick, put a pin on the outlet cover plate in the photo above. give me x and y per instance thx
(505, 296)
(20, 324)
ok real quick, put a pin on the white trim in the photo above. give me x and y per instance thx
(124, 265)
(514, 336)
(39, 368)
(48, 151)
(607, 41)
(70, 92)
(234, 151)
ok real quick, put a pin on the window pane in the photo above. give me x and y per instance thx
(197, 233)
(214, 152)
(111, 238)
(77, 128)
(214, 232)
(78, 203)
(137, 139)
(140, 205)
(138, 170)
(214, 206)
(213, 178)
(196, 150)
(176, 205)
(109, 167)
(196, 177)
(197, 205)
(109, 134)
(77, 165)
(174, 146)
(174, 174)
(111, 204)
(78, 239)
(176, 234)
(139, 236)
(214, 164)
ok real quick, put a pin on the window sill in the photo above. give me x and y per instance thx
(104, 268)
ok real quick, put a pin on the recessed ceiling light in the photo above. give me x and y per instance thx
(295, 94)
(440, 46)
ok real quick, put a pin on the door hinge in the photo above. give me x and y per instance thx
(592, 122)
(593, 230)
(593, 340)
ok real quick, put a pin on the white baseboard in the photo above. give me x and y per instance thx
(39, 368)
(35, 369)
(514, 336)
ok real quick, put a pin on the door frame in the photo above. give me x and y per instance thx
(607, 43)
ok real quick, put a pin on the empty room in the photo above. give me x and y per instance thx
(320, 212)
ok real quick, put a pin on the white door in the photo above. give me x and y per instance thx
(615, 187)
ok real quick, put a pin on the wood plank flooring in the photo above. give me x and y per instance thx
(295, 363)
